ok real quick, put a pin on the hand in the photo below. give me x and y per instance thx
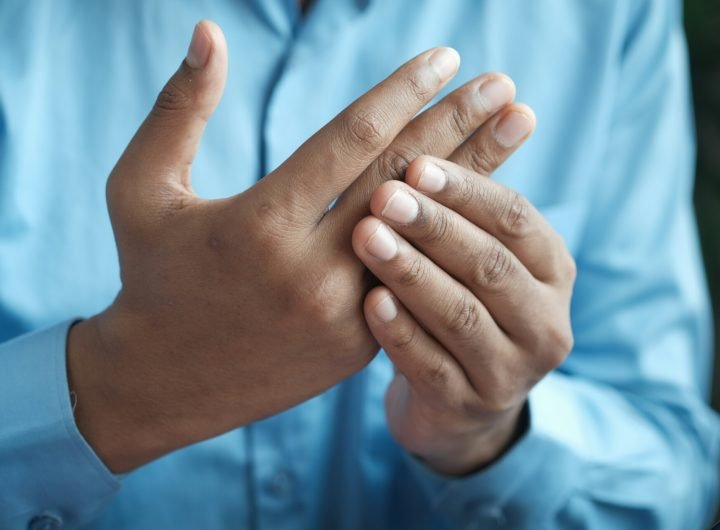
(232, 310)
(475, 304)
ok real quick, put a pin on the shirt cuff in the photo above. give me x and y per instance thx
(49, 472)
(525, 488)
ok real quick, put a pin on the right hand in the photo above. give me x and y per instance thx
(233, 310)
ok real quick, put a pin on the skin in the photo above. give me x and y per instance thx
(233, 310)
(473, 311)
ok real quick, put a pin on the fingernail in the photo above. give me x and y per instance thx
(382, 244)
(495, 93)
(199, 49)
(432, 179)
(512, 128)
(401, 207)
(386, 310)
(445, 62)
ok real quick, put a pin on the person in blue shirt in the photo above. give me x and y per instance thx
(206, 355)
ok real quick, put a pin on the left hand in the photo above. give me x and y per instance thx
(475, 306)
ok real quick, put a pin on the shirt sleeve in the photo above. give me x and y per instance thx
(621, 435)
(49, 476)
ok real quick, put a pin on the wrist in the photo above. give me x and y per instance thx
(111, 410)
(475, 451)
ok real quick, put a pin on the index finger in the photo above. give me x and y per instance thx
(327, 163)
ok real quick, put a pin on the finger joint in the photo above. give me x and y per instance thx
(404, 339)
(467, 193)
(171, 99)
(414, 273)
(464, 318)
(437, 372)
(479, 160)
(515, 216)
(493, 267)
(462, 118)
(393, 163)
(419, 90)
(366, 127)
(437, 227)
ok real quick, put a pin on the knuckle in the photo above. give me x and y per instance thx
(393, 163)
(562, 336)
(557, 342)
(462, 117)
(366, 126)
(564, 269)
(515, 216)
(138, 222)
(404, 339)
(499, 401)
(437, 372)
(569, 267)
(499, 392)
(171, 99)
(470, 406)
(417, 88)
(463, 318)
(269, 231)
(480, 160)
(322, 301)
(414, 273)
(493, 267)
(268, 215)
(467, 192)
(436, 226)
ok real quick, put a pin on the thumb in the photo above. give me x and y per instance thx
(162, 151)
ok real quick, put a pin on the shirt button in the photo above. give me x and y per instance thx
(281, 483)
(45, 521)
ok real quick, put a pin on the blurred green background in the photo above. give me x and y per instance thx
(702, 22)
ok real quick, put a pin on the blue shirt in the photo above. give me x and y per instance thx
(619, 437)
